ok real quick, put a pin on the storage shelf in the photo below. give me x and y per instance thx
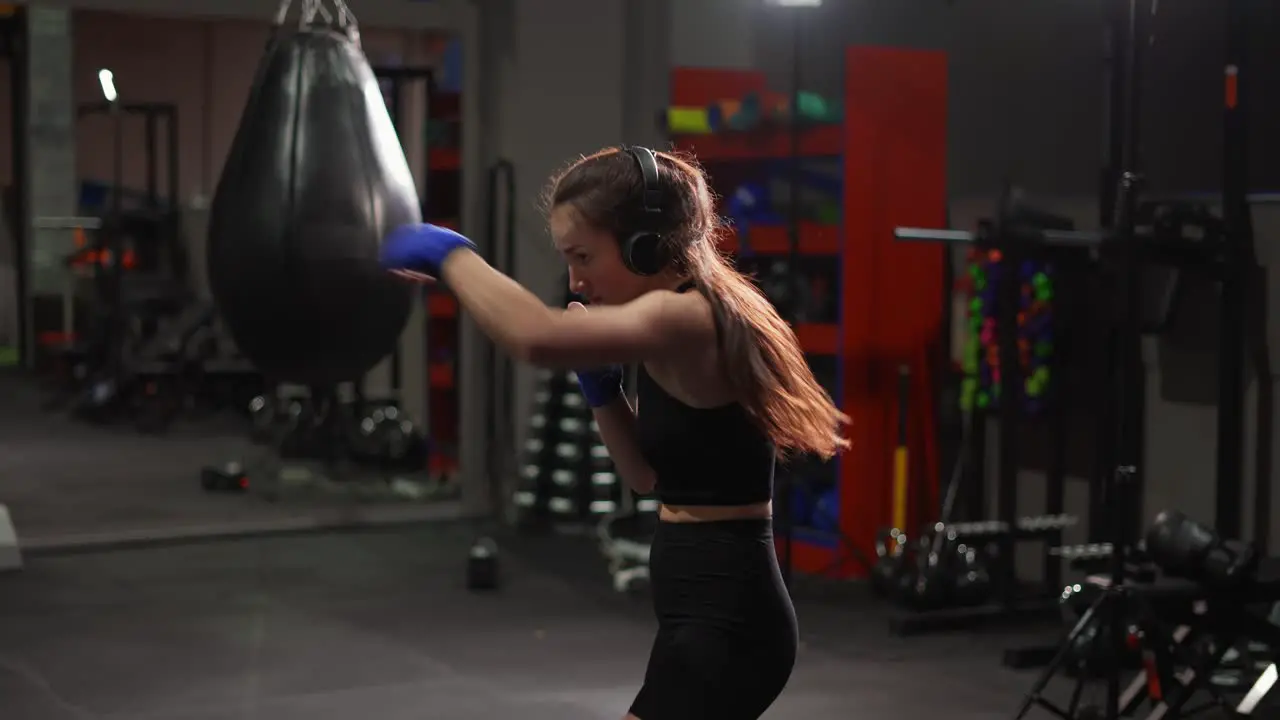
(441, 305)
(444, 159)
(889, 303)
(440, 376)
(444, 201)
(815, 239)
(766, 143)
(818, 338)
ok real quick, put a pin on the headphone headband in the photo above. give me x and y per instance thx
(648, 162)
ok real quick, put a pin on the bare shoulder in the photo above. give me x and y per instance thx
(683, 317)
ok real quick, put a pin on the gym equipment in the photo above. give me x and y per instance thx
(314, 179)
(812, 107)
(500, 242)
(1210, 622)
(141, 350)
(1185, 548)
(568, 476)
(1035, 339)
(901, 453)
(727, 115)
(387, 439)
(265, 413)
(154, 222)
(369, 448)
(231, 477)
(688, 121)
(891, 561)
(1179, 636)
(482, 565)
(952, 565)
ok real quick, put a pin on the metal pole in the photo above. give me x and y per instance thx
(115, 242)
(1236, 218)
(787, 516)
(24, 237)
(150, 135)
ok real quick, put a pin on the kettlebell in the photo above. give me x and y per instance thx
(482, 565)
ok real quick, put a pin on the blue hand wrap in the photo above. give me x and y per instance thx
(601, 385)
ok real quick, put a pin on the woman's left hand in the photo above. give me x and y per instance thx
(421, 248)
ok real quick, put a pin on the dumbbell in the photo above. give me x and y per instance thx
(406, 446)
(263, 416)
(1029, 524)
(482, 565)
(1087, 551)
(605, 493)
(567, 473)
(970, 530)
(526, 497)
(564, 484)
(890, 548)
(1046, 523)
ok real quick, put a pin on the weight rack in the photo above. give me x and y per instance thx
(1011, 601)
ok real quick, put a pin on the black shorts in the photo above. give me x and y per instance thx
(726, 627)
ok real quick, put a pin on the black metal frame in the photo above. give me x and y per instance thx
(399, 77)
(13, 35)
(1235, 301)
(1117, 487)
(1233, 267)
(153, 115)
(167, 209)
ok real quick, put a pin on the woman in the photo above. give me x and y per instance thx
(723, 388)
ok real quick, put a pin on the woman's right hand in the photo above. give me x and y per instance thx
(600, 386)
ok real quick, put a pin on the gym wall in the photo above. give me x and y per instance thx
(563, 77)
(1027, 92)
(1028, 104)
(205, 67)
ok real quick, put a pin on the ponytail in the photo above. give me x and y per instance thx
(764, 363)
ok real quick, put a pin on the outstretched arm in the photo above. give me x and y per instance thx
(647, 328)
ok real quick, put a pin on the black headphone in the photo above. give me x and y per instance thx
(643, 251)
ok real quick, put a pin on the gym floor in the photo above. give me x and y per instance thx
(364, 624)
(379, 625)
(70, 484)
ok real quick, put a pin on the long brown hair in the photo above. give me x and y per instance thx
(761, 355)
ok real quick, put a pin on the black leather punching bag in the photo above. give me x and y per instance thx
(314, 179)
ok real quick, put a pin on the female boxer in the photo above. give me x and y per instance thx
(723, 390)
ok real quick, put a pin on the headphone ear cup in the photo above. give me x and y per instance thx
(642, 253)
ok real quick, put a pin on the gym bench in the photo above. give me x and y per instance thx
(1185, 630)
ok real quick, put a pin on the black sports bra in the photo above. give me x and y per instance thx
(702, 456)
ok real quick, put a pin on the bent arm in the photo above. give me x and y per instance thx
(645, 329)
(617, 423)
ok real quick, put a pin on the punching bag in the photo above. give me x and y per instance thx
(314, 179)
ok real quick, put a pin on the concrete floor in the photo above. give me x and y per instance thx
(374, 624)
(67, 483)
(378, 625)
